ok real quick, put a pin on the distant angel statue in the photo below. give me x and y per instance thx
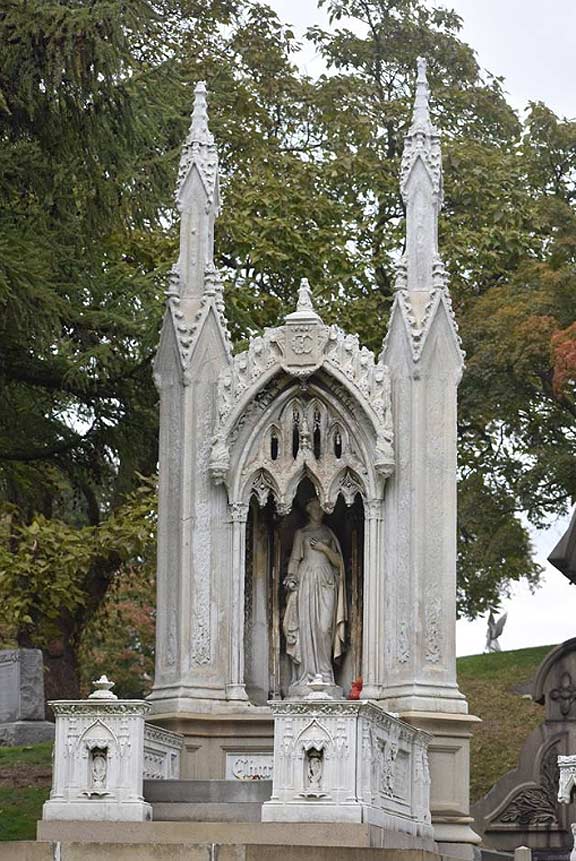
(494, 631)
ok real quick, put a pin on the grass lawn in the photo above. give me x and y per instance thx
(494, 685)
(25, 777)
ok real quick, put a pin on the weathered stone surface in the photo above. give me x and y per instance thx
(522, 808)
(306, 834)
(21, 685)
(208, 852)
(26, 732)
(213, 791)
(306, 411)
(343, 761)
(162, 753)
(207, 800)
(98, 759)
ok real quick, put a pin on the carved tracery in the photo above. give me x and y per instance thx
(302, 435)
(305, 400)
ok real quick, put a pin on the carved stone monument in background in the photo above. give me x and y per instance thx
(257, 605)
(523, 808)
(22, 710)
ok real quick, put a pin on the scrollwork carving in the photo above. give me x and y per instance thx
(536, 806)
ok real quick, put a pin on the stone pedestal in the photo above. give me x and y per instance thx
(449, 758)
(22, 698)
(98, 759)
(162, 753)
(213, 743)
(340, 761)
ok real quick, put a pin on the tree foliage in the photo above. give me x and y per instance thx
(94, 103)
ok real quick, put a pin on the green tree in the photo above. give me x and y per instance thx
(507, 235)
(95, 102)
(89, 116)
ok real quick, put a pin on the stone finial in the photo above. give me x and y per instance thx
(305, 306)
(305, 302)
(421, 111)
(103, 689)
(199, 126)
(421, 268)
(199, 149)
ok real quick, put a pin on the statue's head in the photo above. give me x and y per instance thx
(314, 509)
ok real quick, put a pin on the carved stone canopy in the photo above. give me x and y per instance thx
(305, 400)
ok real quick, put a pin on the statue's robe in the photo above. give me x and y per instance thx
(316, 614)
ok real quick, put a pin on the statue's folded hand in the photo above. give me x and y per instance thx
(319, 545)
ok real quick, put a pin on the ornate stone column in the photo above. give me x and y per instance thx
(374, 597)
(235, 689)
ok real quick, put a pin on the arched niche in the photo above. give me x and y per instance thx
(299, 429)
(305, 410)
(269, 539)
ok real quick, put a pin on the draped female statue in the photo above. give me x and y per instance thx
(314, 621)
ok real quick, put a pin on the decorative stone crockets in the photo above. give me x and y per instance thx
(304, 400)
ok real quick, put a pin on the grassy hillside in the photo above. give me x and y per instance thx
(25, 776)
(494, 685)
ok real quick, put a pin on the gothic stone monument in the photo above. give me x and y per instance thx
(522, 808)
(307, 511)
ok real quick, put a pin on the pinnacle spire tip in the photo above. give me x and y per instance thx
(305, 302)
(199, 126)
(422, 67)
(421, 112)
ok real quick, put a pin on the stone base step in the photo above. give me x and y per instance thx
(207, 800)
(207, 791)
(232, 811)
(319, 834)
(144, 851)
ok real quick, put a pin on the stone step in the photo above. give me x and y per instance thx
(151, 851)
(272, 836)
(207, 791)
(231, 811)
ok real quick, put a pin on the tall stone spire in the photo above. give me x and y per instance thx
(193, 530)
(197, 199)
(415, 674)
(421, 186)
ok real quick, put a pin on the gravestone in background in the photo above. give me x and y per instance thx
(22, 715)
(522, 808)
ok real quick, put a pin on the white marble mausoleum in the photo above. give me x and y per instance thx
(307, 524)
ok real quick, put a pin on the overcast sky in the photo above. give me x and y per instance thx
(532, 44)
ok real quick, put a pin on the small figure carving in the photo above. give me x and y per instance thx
(494, 631)
(314, 769)
(305, 302)
(313, 774)
(314, 621)
(99, 768)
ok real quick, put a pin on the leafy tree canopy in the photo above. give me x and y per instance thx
(94, 103)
